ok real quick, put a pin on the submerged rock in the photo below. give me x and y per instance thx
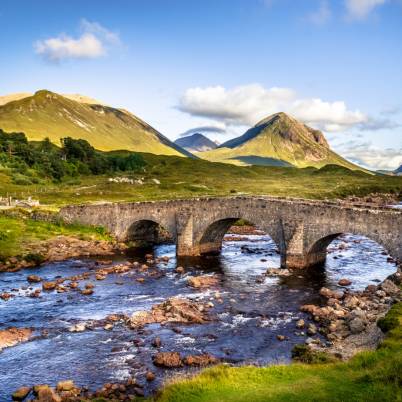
(277, 272)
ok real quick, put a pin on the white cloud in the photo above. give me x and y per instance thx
(364, 154)
(92, 43)
(321, 15)
(246, 105)
(360, 9)
(216, 128)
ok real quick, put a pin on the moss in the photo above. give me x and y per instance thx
(304, 354)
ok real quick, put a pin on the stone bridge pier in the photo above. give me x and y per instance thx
(302, 229)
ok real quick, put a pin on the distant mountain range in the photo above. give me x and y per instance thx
(278, 140)
(47, 114)
(396, 172)
(196, 142)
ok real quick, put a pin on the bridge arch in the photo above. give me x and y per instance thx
(317, 246)
(149, 229)
(210, 236)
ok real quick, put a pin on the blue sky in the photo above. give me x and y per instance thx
(220, 66)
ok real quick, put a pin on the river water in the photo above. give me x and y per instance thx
(244, 330)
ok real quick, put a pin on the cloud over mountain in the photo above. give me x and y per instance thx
(245, 105)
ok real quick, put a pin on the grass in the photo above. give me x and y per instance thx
(369, 376)
(19, 233)
(185, 178)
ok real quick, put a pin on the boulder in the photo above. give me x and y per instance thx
(13, 336)
(150, 376)
(49, 285)
(168, 359)
(66, 385)
(390, 288)
(203, 281)
(47, 394)
(277, 272)
(356, 325)
(200, 360)
(172, 310)
(21, 393)
(34, 278)
(344, 282)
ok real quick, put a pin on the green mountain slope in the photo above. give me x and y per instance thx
(47, 114)
(278, 140)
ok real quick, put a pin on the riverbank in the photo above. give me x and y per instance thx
(29, 238)
(368, 376)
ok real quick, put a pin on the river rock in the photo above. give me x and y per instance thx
(356, 325)
(200, 360)
(330, 293)
(34, 278)
(78, 327)
(13, 336)
(66, 385)
(168, 359)
(300, 324)
(49, 286)
(344, 282)
(277, 272)
(157, 343)
(47, 394)
(87, 292)
(6, 296)
(21, 393)
(203, 281)
(180, 270)
(150, 376)
(311, 329)
(172, 310)
(390, 288)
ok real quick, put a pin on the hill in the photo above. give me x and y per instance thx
(278, 140)
(196, 143)
(47, 114)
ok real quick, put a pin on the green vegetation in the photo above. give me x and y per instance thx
(32, 163)
(19, 233)
(369, 376)
(185, 177)
(47, 114)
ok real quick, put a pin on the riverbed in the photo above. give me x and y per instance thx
(249, 313)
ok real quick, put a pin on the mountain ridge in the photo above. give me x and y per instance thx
(196, 142)
(281, 139)
(48, 114)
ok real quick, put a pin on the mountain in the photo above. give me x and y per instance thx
(47, 114)
(278, 140)
(398, 171)
(196, 143)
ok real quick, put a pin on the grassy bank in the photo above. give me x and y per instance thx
(174, 177)
(19, 233)
(369, 376)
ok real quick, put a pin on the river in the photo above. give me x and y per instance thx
(245, 328)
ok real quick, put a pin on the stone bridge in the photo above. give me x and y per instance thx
(302, 229)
